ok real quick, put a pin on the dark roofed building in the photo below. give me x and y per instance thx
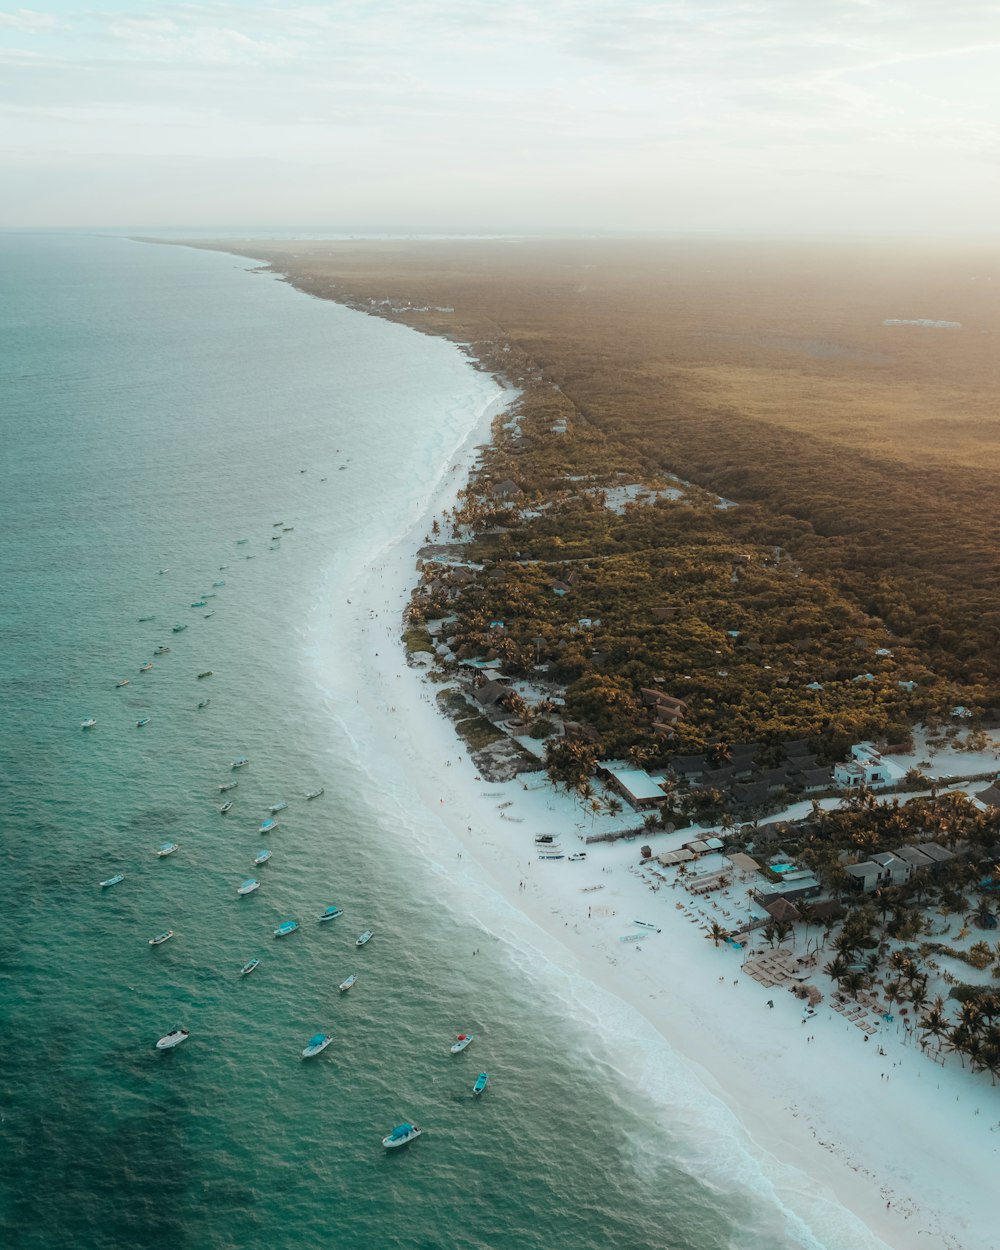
(799, 747)
(990, 796)
(751, 794)
(688, 765)
(815, 779)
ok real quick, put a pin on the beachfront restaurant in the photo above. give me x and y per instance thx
(635, 785)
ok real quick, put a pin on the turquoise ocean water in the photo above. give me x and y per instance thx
(157, 405)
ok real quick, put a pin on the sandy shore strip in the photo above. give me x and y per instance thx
(837, 1116)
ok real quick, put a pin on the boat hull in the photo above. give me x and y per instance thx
(172, 1039)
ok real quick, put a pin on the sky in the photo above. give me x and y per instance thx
(729, 116)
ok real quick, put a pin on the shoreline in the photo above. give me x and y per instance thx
(805, 1134)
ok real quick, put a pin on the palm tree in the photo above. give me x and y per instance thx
(718, 933)
(934, 1024)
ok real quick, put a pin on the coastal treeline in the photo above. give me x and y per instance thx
(724, 479)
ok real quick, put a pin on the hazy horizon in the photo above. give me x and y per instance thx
(707, 117)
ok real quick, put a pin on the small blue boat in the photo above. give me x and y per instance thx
(364, 938)
(248, 967)
(199, 603)
(286, 927)
(242, 762)
(166, 848)
(143, 720)
(332, 912)
(480, 1084)
(248, 886)
(267, 825)
(113, 880)
(261, 857)
(179, 629)
(161, 938)
(218, 583)
(278, 807)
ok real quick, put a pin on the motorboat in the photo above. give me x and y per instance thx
(278, 807)
(145, 668)
(173, 1039)
(144, 619)
(276, 524)
(266, 826)
(401, 1135)
(200, 603)
(332, 912)
(229, 785)
(364, 938)
(162, 571)
(204, 703)
(242, 762)
(261, 857)
(287, 529)
(119, 684)
(119, 876)
(161, 938)
(314, 794)
(644, 924)
(248, 886)
(226, 807)
(179, 629)
(222, 583)
(208, 615)
(143, 720)
(166, 848)
(89, 723)
(248, 967)
(346, 984)
(577, 857)
(480, 1084)
(206, 673)
(460, 1043)
(544, 838)
(286, 927)
(162, 651)
(317, 1043)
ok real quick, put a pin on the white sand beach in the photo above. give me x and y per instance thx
(836, 1120)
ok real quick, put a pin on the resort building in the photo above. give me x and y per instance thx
(635, 785)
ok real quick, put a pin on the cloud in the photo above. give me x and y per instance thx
(28, 21)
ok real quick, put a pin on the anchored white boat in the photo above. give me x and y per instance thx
(286, 927)
(89, 723)
(230, 785)
(480, 1084)
(346, 984)
(401, 1135)
(460, 1043)
(331, 913)
(173, 1039)
(364, 938)
(161, 938)
(143, 720)
(242, 762)
(267, 825)
(261, 857)
(144, 668)
(120, 876)
(314, 794)
(119, 684)
(248, 886)
(317, 1043)
(226, 807)
(248, 967)
(166, 848)
(278, 807)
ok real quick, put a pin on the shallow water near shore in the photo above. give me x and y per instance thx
(162, 406)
